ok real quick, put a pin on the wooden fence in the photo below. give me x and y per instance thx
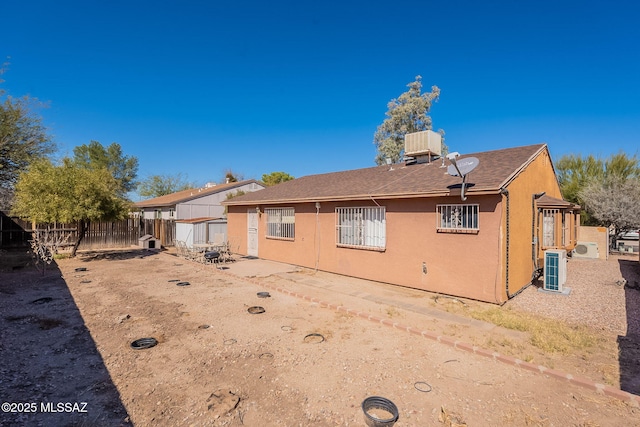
(15, 232)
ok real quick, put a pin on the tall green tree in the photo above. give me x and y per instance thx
(274, 178)
(406, 114)
(160, 185)
(68, 193)
(96, 156)
(23, 139)
(575, 173)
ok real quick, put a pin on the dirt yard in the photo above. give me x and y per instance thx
(66, 355)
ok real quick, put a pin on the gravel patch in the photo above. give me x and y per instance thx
(605, 295)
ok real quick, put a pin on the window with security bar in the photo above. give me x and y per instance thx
(361, 227)
(458, 217)
(549, 232)
(281, 223)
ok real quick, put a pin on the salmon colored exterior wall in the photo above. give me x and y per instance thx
(460, 264)
(470, 265)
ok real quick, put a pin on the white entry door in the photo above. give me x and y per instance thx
(252, 232)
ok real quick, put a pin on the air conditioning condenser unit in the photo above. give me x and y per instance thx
(555, 269)
(586, 250)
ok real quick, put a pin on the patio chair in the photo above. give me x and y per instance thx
(181, 248)
(188, 253)
(227, 254)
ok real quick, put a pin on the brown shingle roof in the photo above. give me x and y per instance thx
(496, 169)
(186, 195)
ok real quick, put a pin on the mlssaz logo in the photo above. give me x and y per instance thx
(63, 407)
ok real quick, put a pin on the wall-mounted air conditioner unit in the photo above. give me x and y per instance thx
(555, 269)
(585, 250)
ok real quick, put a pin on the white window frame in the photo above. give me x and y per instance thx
(157, 214)
(361, 227)
(458, 218)
(281, 223)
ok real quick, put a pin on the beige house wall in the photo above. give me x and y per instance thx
(599, 235)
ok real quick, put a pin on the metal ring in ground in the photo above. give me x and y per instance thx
(256, 310)
(230, 341)
(263, 295)
(286, 328)
(423, 386)
(266, 356)
(81, 269)
(144, 343)
(183, 284)
(204, 327)
(311, 338)
(382, 404)
(174, 280)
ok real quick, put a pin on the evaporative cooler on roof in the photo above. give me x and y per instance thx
(425, 143)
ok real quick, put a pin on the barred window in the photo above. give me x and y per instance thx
(361, 227)
(281, 223)
(549, 238)
(458, 217)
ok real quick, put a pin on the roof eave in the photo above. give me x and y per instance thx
(448, 193)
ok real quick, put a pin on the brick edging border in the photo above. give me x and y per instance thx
(631, 399)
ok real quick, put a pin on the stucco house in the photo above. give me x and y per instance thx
(195, 203)
(413, 224)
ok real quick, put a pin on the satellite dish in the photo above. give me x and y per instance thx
(461, 168)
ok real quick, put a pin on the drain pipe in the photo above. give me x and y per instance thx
(505, 192)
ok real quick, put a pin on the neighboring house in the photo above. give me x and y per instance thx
(201, 231)
(406, 224)
(196, 202)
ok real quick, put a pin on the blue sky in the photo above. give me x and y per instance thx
(199, 87)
